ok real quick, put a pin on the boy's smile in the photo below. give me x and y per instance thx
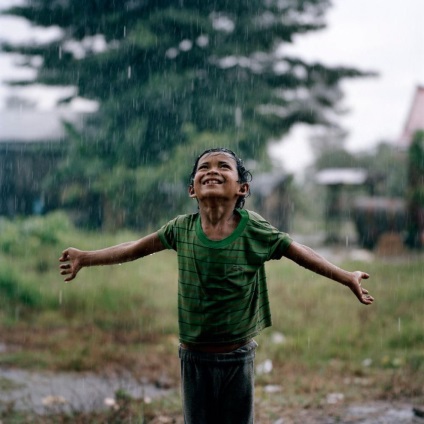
(216, 177)
(211, 181)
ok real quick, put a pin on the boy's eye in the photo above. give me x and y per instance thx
(205, 166)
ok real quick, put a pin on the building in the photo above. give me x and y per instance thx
(340, 184)
(414, 120)
(32, 143)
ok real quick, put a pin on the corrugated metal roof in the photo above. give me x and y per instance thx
(31, 125)
(345, 176)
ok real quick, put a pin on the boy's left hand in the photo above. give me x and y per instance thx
(360, 292)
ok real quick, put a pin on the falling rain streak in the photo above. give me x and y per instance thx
(144, 88)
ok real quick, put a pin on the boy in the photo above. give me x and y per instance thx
(222, 296)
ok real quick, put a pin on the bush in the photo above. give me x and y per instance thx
(16, 293)
(22, 235)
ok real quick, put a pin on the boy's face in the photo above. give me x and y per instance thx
(217, 177)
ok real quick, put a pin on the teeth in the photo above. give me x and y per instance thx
(212, 182)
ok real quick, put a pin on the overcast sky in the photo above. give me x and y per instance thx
(386, 36)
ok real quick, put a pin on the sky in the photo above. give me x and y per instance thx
(385, 36)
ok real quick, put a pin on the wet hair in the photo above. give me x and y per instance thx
(244, 175)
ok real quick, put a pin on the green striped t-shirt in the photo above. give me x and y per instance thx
(222, 291)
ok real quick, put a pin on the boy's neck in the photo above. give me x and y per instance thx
(218, 221)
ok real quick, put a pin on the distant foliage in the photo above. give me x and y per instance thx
(158, 68)
(386, 167)
(16, 294)
(29, 235)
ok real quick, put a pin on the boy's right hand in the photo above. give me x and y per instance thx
(73, 263)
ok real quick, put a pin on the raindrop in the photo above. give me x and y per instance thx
(238, 116)
(129, 72)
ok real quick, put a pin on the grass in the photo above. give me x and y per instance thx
(322, 340)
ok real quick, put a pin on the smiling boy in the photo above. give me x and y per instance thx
(222, 292)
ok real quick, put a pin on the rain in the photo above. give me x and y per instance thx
(105, 108)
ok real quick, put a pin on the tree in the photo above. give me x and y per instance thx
(166, 71)
(387, 170)
(415, 191)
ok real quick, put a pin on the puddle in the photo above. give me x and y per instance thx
(42, 392)
(366, 413)
(381, 413)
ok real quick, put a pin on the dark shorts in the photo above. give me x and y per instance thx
(218, 387)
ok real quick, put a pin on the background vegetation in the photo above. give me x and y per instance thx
(415, 192)
(170, 76)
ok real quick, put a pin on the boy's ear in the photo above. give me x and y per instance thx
(244, 188)
(191, 192)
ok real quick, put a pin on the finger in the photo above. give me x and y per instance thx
(71, 276)
(64, 257)
(367, 300)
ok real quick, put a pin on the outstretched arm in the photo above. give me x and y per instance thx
(308, 258)
(74, 259)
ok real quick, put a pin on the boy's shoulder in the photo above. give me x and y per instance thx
(255, 218)
(183, 219)
(254, 215)
(176, 229)
(258, 223)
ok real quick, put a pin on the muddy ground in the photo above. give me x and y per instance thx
(47, 392)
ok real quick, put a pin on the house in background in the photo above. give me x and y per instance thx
(342, 184)
(415, 119)
(31, 146)
(415, 202)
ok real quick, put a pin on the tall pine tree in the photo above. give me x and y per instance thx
(173, 73)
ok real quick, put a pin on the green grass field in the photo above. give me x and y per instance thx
(125, 316)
